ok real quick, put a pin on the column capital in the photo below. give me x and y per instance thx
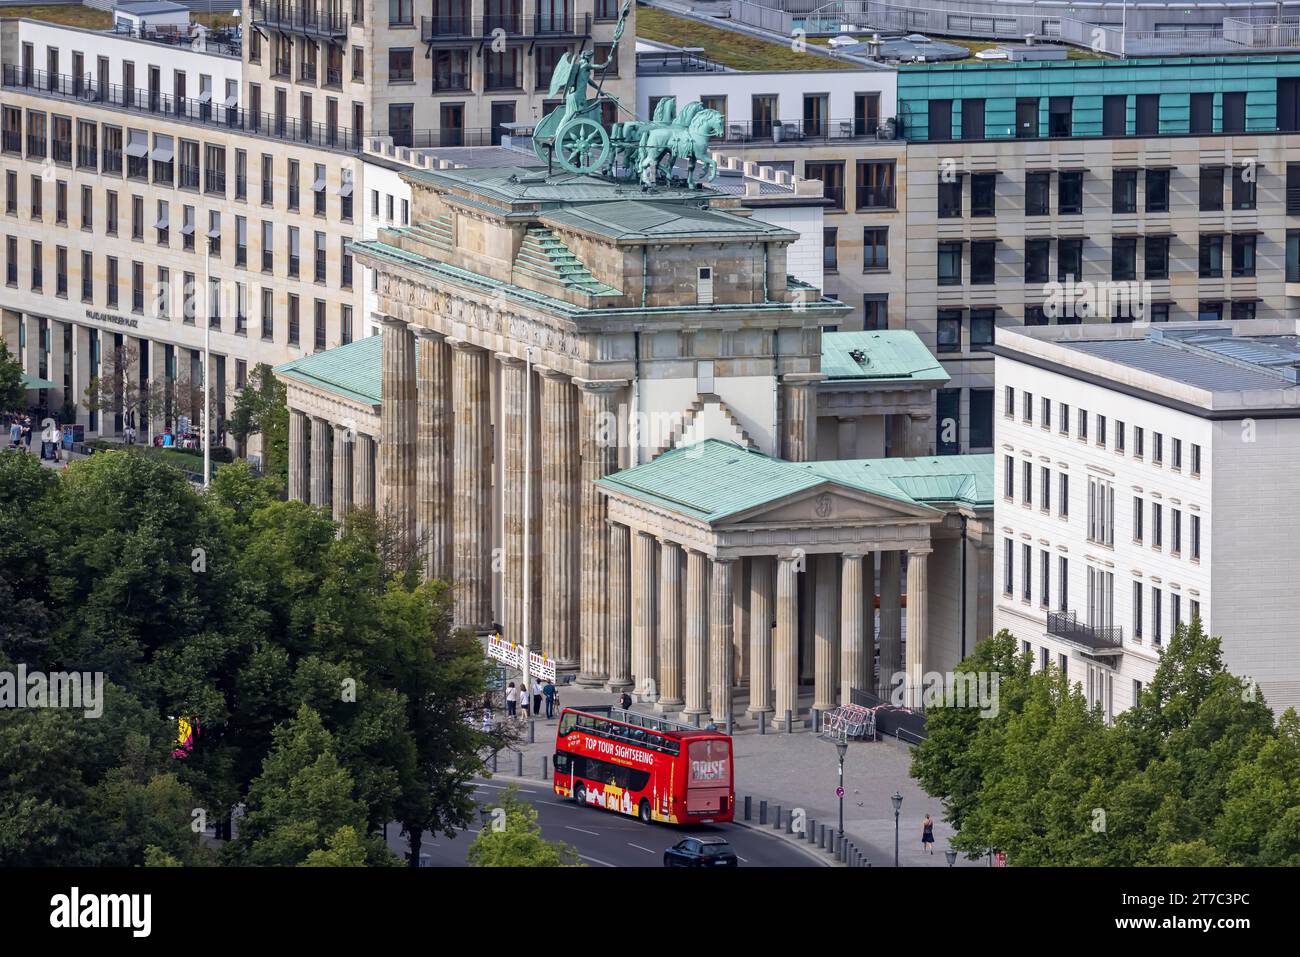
(396, 322)
(918, 415)
(665, 540)
(803, 378)
(546, 372)
(461, 345)
(424, 332)
(601, 385)
(506, 359)
(919, 551)
(853, 556)
(722, 559)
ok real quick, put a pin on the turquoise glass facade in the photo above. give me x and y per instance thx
(1087, 82)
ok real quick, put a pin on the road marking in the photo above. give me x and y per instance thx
(502, 787)
(742, 859)
(639, 847)
(595, 860)
(584, 831)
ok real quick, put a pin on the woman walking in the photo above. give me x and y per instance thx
(927, 835)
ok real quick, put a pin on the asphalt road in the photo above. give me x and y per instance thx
(605, 839)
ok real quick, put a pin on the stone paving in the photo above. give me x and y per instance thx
(800, 770)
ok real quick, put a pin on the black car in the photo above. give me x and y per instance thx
(701, 852)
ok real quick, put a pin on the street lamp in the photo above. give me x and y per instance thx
(842, 747)
(898, 806)
(951, 855)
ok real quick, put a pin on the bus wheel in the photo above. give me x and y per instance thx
(579, 793)
(643, 812)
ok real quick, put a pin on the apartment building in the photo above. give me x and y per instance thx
(1097, 191)
(1145, 476)
(453, 73)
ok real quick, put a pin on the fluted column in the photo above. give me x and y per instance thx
(799, 428)
(785, 655)
(471, 486)
(760, 635)
(620, 633)
(740, 623)
(561, 584)
(514, 427)
(434, 432)
(298, 450)
(320, 462)
(891, 617)
(598, 435)
(397, 421)
(918, 562)
(854, 663)
(826, 631)
(697, 632)
(342, 481)
(363, 472)
(643, 616)
(670, 621)
(722, 606)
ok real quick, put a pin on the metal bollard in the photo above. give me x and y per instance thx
(728, 725)
(762, 722)
(762, 812)
(810, 832)
(776, 819)
(519, 764)
(494, 762)
(748, 802)
(789, 721)
(544, 759)
(789, 823)
(532, 731)
(821, 836)
(817, 717)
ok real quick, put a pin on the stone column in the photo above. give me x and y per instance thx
(397, 429)
(560, 475)
(697, 632)
(740, 623)
(433, 456)
(854, 661)
(670, 631)
(320, 462)
(920, 433)
(848, 438)
(471, 486)
(917, 612)
(785, 656)
(363, 472)
(826, 629)
(984, 595)
(722, 606)
(799, 426)
(891, 617)
(342, 480)
(599, 456)
(514, 433)
(643, 616)
(298, 489)
(620, 634)
(760, 635)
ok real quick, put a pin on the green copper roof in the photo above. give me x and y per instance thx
(543, 256)
(522, 184)
(351, 371)
(886, 354)
(712, 480)
(638, 221)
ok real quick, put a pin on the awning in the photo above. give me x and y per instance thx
(137, 148)
(205, 96)
(345, 189)
(162, 154)
(187, 229)
(214, 232)
(163, 223)
(318, 184)
(36, 382)
(232, 100)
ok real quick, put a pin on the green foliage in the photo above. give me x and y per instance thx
(13, 397)
(1196, 774)
(262, 409)
(519, 842)
(331, 695)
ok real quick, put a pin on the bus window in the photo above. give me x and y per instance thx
(568, 723)
(561, 762)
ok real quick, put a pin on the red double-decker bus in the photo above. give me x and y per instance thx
(644, 766)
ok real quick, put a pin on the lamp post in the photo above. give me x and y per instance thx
(951, 855)
(898, 806)
(207, 358)
(842, 747)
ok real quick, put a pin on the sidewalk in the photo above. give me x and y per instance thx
(800, 770)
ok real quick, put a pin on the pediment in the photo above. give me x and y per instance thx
(831, 504)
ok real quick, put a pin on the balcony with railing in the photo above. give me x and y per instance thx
(1097, 638)
(445, 82)
(453, 28)
(875, 197)
(333, 76)
(11, 141)
(298, 18)
(806, 132)
(61, 151)
(561, 24)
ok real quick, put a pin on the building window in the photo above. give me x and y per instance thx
(293, 319)
(1175, 454)
(1157, 199)
(1063, 583)
(1211, 258)
(1064, 495)
(345, 325)
(1137, 611)
(1101, 512)
(950, 263)
(1044, 578)
(981, 418)
(1027, 408)
(1156, 636)
(1027, 484)
(950, 196)
(268, 180)
(1060, 115)
(1038, 194)
(875, 247)
(1196, 460)
(830, 255)
(1119, 436)
(1196, 537)
(1069, 260)
(1243, 254)
(981, 261)
(1123, 258)
(1157, 525)
(1139, 436)
(1046, 414)
(1037, 260)
(1045, 488)
(401, 65)
(1069, 197)
(1157, 448)
(1243, 186)
(1211, 189)
(1009, 402)
(319, 324)
(294, 176)
(400, 13)
(875, 186)
(1008, 568)
(1026, 572)
(1157, 257)
(832, 177)
(1175, 531)
(295, 251)
(318, 190)
(1114, 115)
(983, 194)
(1009, 478)
(948, 421)
(268, 314)
(981, 329)
(1065, 419)
(1139, 508)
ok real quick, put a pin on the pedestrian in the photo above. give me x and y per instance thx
(15, 433)
(512, 700)
(58, 444)
(27, 435)
(487, 712)
(548, 691)
(537, 697)
(625, 701)
(523, 701)
(927, 835)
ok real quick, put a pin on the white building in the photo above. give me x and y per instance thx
(1145, 475)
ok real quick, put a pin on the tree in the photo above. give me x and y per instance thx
(513, 838)
(117, 390)
(261, 408)
(346, 849)
(13, 397)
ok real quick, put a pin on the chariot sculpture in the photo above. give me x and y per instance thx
(574, 135)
